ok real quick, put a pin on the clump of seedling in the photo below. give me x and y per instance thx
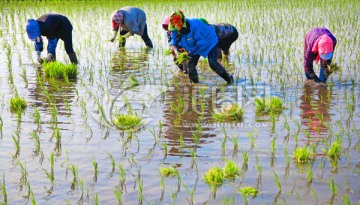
(126, 121)
(333, 67)
(302, 154)
(232, 112)
(214, 178)
(183, 57)
(169, 171)
(269, 105)
(167, 52)
(60, 70)
(335, 150)
(248, 191)
(17, 104)
(231, 170)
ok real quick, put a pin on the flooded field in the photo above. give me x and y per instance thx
(64, 148)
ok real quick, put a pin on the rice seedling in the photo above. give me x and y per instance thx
(302, 154)
(248, 191)
(74, 170)
(60, 70)
(112, 160)
(277, 181)
(230, 201)
(214, 178)
(181, 142)
(16, 141)
(335, 150)
(183, 57)
(231, 170)
(133, 81)
(122, 174)
(346, 200)
(127, 121)
(245, 158)
(96, 199)
(332, 186)
(232, 112)
(24, 174)
(17, 104)
(23, 76)
(118, 195)
(95, 166)
(273, 146)
(169, 171)
(3, 190)
(269, 105)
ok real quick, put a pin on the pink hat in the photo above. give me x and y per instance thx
(325, 46)
(166, 21)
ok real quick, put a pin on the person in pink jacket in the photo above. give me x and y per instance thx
(319, 46)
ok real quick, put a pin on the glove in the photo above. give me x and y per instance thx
(50, 57)
(39, 60)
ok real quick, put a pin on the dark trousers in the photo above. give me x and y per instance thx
(213, 63)
(224, 44)
(144, 37)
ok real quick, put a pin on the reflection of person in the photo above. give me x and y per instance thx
(199, 39)
(315, 108)
(53, 26)
(227, 34)
(130, 21)
(319, 45)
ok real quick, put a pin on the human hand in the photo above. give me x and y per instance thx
(50, 57)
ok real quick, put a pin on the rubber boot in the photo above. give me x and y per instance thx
(73, 58)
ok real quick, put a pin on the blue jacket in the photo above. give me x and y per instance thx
(200, 40)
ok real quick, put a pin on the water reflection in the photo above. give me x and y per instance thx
(315, 106)
(47, 92)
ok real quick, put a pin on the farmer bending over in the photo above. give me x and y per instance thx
(53, 26)
(130, 21)
(199, 39)
(319, 45)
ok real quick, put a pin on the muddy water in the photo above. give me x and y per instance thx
(172, 107)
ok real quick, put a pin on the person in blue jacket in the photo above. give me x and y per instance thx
(54, 27)
(199, 39)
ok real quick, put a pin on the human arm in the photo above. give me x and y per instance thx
(309, 58)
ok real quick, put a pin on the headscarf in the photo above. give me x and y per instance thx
(117, 18)
(33, 29)
(325, 47)
(177, 21)
(165, 23)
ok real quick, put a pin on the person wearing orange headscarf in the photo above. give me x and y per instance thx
(319, 46)
(199, 39)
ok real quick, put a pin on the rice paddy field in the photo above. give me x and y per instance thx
(129, 128)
